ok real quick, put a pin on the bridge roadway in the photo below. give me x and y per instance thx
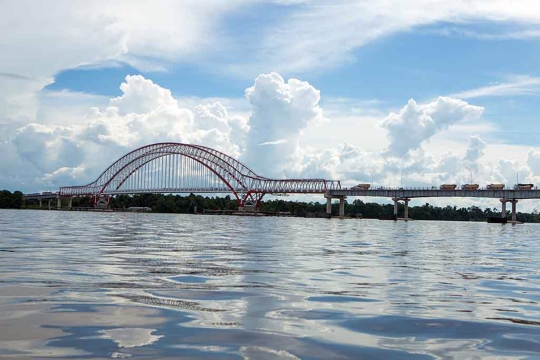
(428, 192)
(406, 194)
(43, 196)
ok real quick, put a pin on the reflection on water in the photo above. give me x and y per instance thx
(86, 285)
(131, 337)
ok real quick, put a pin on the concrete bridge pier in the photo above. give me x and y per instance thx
(58, 203)
(70, 204)
(50, 200)
(406, 208)
(396, 203)
(342, 206)
(329, 205)
(40, 204)
(514, 208)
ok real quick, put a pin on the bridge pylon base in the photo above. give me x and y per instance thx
(503, 209)
(396, 202)
(251, 201)
(101, 201)
(341, 205)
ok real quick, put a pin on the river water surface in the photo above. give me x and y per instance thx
(119, 285)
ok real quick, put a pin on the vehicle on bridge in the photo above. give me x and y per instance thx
(448, 187)
(470, 187)
(495, 187)
(523, 186)
(361, 187)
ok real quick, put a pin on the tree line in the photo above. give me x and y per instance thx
(370, 210)
(9, 200)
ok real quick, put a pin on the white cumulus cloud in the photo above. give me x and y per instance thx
(533, 160)
(475, 149)
(145, 113)
(416, 123)
(280, 112)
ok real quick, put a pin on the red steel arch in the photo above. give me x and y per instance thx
(239, 179)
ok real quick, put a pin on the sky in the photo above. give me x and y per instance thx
(394, 92)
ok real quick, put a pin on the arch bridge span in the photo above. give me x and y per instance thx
(185, 168)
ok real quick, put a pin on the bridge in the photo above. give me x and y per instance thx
(185, 168)
(406, 194)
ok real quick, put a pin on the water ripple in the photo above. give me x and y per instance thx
(119, 285)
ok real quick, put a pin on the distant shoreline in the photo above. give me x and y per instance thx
(196, 203)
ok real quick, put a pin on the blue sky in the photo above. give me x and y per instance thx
(350, 88)
(420, 64)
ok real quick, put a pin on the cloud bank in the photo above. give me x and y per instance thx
(415, 124)
(268, 139)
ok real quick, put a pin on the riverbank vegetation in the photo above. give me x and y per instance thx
(9, 200)
(191, 203)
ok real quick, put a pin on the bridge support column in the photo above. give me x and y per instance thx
(253, 198)
(514, 215)
(70, 204)
(58, 203)
(406, 208)
(329, 205)
(503, 208)
(40, 204)
(50, 204)
(342, 206)
(101, 201)
(396, 203)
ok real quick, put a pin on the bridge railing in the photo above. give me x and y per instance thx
(37, 196)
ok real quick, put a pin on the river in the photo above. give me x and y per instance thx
(122, 285)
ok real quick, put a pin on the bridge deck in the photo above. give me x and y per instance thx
(425, 193)
(388, 193)
(40, 196)
(223, 190)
